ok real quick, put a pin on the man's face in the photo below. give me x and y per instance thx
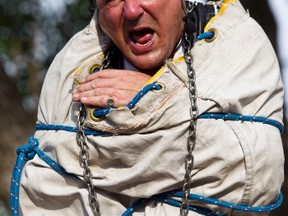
(145, 31)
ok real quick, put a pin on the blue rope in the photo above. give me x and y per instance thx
(144, 91)
(67, 128)
(24, 154)
(166, 198)
(243, 118)
(228, 205)
(176, 203)
(204, 35)
(168, 201)
(217, 116)
(102, 112)
(135, 206)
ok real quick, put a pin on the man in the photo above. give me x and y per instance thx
(134, 116)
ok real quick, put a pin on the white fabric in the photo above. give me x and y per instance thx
(239, 162)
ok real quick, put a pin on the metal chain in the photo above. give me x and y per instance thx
(191, 141)
(106, 61)
(84, 159)
(81, 139)
(187, 44)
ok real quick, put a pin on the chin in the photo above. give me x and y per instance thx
(144, 63)
(150, 70)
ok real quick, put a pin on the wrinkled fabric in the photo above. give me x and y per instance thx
(238, 162)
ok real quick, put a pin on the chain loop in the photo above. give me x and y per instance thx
(106, 61)
(187, 44)
(84, 159)
(84, 149)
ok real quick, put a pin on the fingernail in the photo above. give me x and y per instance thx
(82, 80)
(75, 91)
(83, 99)
(75, 96)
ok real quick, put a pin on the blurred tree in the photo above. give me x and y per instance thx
(31, 33)
(17, 33)
(16, 125)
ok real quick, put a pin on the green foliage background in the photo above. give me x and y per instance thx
(31, 35)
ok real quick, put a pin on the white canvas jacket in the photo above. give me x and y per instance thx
(234, 161)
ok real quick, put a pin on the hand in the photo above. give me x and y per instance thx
(121, 85)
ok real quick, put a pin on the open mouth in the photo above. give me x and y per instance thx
(141, 37)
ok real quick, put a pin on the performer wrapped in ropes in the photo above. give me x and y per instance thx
(165, 115)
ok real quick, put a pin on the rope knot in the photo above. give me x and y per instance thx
(29, 149)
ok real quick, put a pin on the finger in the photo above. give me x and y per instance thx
(122, 96)
(107, 73)
(97, 83)
(117, 83)
(78, 95)
(113, 73)
(94, 92)
(101, 101)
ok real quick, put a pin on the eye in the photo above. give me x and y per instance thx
(104, 2)
(109, 2)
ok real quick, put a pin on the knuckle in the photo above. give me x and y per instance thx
(93, 83)
(103, 101)
(80, 88)
(95, 91)
(83, 94)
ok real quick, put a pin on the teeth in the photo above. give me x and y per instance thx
(138, 44)
(142, 37)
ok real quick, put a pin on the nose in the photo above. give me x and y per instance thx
(133, 9)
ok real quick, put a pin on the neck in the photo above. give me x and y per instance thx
(151, 72)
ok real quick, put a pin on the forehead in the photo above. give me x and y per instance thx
(108, 2)
(150, 6)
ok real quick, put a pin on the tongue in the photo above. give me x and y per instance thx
(142, 37)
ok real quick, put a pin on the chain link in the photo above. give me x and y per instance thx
(84, 150)
(191, 141)
(106, 61)
(84, 159)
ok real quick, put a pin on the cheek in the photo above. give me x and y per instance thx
(103, 22)
(109, 23)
